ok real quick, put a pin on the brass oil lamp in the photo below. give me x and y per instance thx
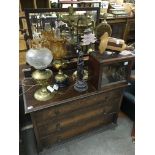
(42, 78)
(40, 58)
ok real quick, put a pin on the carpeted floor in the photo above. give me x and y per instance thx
(114, 141)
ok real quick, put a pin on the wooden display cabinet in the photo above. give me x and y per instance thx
(109, 70)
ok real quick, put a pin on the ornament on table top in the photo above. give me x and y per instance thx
(88, 40)
(80, 84)
(88, 37)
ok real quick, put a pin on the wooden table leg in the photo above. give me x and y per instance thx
(115, 117)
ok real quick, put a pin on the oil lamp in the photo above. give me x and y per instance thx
(40, 58)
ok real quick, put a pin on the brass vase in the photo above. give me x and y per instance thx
(60, 78)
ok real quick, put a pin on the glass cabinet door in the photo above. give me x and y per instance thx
(113, 73)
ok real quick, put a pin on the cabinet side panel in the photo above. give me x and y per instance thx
(94, 70)
(39, 146)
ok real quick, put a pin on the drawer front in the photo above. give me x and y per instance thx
(73, 119)
(56, 111)
(81, 128)
(79, 116)
(113, 105)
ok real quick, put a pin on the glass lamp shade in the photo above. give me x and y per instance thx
(39, 58)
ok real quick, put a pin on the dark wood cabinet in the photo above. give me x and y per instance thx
(34, 4)
(27, 4)
(109, 70)
(43, 3)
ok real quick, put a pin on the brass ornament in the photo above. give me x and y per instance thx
(85, 75)
(78, 22)
(60, 78)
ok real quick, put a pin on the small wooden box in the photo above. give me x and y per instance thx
(109, 70)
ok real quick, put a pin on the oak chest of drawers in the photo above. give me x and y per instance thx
(71, 113)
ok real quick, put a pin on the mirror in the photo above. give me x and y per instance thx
(66, 23)
(67, 19)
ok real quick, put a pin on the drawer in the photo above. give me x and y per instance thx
(81, 128)
(74, 119)
(113, 105)
(66, 108)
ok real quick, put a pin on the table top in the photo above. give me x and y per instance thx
(62, 96)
